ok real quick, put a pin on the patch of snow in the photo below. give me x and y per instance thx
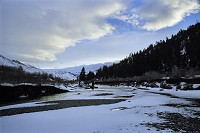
(33, 104)
(183, 83)
(28, 84)
(158, 84)
(166, 78)
(63, 87)
(196, 86)
(6, 84)
(197, 76)
(183, 51)
(179, 93)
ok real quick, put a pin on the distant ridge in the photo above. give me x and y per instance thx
(71, 73)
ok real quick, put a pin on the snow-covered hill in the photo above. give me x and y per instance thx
(71, 73)
(92, 67)
(62, 74)
(14, 63)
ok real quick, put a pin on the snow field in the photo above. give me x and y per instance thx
(123, 117)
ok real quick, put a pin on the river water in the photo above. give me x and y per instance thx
(102, 92)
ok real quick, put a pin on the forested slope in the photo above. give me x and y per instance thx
(179, 53)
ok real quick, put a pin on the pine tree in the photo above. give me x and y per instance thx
(90, 75)
(82, 74)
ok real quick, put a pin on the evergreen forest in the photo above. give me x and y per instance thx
(175, 56)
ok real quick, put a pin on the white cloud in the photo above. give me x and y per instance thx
(107, 49)
(38, 30)
(159, 14)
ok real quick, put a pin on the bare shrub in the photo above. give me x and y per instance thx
(178, 87)
(177, 73)
(153, 85)
(187, 87)
(192, 72)
(153, 75)
(164, 85)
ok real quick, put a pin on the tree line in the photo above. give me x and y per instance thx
(86, 77)
(16, 75)
(179, 54)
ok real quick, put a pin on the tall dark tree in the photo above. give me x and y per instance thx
(82, 74)
(90, 75)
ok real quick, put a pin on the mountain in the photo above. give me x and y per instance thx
(15, 72)
(14, 63)
(62, 74)
(179, 54)
(71, 73)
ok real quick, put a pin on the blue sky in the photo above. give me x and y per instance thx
(64, 33)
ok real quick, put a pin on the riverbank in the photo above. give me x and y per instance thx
(143, 110)
(26, 91)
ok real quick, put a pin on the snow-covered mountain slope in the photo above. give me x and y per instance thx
(92, 67)
(71, 73)
(62, 74)
(14, 63)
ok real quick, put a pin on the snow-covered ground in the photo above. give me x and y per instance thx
(140, 106)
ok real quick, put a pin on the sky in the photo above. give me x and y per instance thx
(66, 33)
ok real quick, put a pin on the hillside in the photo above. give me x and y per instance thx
(15, 72)
(71, 73)
(179, 54)
(14, 63)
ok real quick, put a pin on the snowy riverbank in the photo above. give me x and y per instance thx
(142, 111)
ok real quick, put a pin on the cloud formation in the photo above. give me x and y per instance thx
(38, 30)
(158, 14)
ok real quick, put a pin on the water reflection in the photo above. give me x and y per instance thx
(53, 97)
